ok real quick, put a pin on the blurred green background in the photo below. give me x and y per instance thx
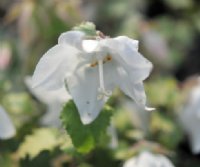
(169, 36)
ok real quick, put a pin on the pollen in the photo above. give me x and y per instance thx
(106, 59)
(94, 64)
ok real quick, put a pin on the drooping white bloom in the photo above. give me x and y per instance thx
(147, 159)
(7, 129)
(190, 118)
(54, 101)
(91, 69)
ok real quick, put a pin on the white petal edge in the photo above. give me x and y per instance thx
(51, 117)
(189, 120)
(60, 95)
(131, 42)
(7, 129)
(53, 66)
(133, 90)
(129, 58)
(73, 38)
(147, 159)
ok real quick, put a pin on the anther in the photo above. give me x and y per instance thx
(93, 64)
(106, 59)
(109, 58)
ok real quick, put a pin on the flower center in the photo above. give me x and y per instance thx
(106, 59)
(102, 91)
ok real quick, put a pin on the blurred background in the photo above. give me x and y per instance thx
(169, 36)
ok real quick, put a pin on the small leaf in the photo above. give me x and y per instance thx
(41, 139)
(87, 27)
(85, 137)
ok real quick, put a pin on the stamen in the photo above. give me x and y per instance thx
(101, 89)
(101, 79)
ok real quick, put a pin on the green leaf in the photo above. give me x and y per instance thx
(87, 27)
(41, 139)
(85, 137)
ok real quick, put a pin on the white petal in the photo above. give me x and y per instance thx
(83, 86)
(133, 90)
(147, 159)
(52, 115)
(47, 97)
(125, 53)
(7, 129)
(73, 38)
(40, 94)
(89, 45)
(128, 41)
(190, 120)
(195, 141)
(54, 65)
(54, 101)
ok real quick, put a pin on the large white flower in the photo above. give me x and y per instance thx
(7, 129)
(190, 118)
(92, 68)
(147, 159)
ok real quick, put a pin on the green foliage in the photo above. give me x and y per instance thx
(85, 137)
(37, 27)
(164, 93)
(165, 130)
(6, 160)
(125, 151)
(179, 4)
(41, 139)
(21, 108)
(18, 103)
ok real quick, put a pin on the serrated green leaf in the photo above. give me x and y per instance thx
(87, 27)
(85, 137)
(41, 139)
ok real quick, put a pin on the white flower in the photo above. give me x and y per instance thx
(190, 118)
(54, 101)
(91, 69)
(147, 159)
(7, 130)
